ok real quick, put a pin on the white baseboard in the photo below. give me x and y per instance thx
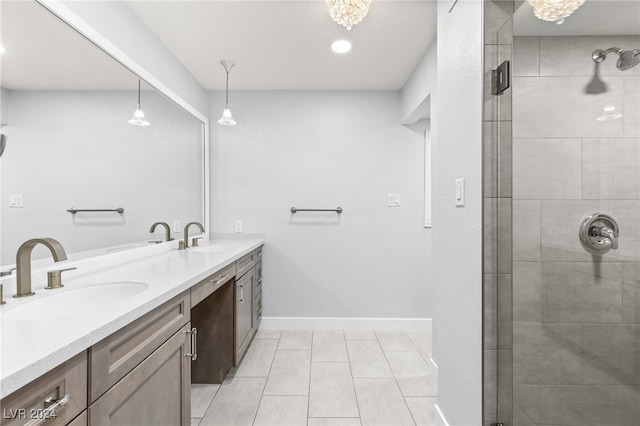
(311, 323)
(438, 417)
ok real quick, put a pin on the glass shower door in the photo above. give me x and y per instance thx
(576, 153)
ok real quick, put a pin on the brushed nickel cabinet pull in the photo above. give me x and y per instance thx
(193, 354)
(221, 278)
(50, 411)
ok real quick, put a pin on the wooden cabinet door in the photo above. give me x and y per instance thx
(243, 316)
(156, 392)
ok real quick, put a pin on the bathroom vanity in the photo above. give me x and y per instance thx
(134, 364)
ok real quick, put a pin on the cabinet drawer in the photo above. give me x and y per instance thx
(245, 263)
(210, 284)
(113, 357)
(257, 281)
(28, 402)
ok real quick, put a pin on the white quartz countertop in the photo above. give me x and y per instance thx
(35, 344)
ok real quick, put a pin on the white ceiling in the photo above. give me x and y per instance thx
(285, 45)
(275, 44)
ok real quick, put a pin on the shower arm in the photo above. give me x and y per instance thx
(600, 55)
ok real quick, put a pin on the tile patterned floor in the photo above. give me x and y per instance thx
(324, 378)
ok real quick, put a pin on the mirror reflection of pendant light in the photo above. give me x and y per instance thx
(554, 10)
(227, 118)
(138, 116)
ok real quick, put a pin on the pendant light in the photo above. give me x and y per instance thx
(227, 118)
(138, 115)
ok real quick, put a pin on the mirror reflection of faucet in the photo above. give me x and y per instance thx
(184, 244)
(167, 230)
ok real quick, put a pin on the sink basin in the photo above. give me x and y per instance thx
(89, 300)
(213, 248)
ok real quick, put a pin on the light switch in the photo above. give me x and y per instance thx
(460, 192)
(15, 200)
(393, 200)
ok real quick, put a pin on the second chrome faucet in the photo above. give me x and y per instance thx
(184, 244)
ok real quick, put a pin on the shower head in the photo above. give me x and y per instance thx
(627, 59)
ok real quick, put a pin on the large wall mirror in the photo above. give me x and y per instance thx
(64, 115)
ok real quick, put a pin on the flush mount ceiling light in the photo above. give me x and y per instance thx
(554, 10)
(227, 118)
(348, 12)
(341, 46)
(138, 115)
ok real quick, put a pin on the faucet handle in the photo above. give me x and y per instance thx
(2, 302)
(194, 241)
(54, 278)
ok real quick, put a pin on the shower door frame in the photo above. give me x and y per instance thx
(497, 231)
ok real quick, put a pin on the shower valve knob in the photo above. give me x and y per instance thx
(599, 233)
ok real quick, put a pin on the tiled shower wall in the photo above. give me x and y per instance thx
(576, 317)
(497, 280)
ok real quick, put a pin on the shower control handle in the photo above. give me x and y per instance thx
(599, 233)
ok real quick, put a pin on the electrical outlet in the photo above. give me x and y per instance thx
(15, 200)
(393, 200)
(177, 226)
(238, 226)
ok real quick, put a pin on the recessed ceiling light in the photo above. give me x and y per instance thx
(341, 46)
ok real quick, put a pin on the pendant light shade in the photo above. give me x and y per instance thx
(138, 115)
(227, 118)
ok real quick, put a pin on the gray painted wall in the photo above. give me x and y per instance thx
(419, 92)
(323, 150)
(457, 231)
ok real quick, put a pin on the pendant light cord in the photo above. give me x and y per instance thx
(227, 91)
(138, 93)
(227, 67)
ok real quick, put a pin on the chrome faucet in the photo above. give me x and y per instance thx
(184, 244)
(167, 230)
(23, 262)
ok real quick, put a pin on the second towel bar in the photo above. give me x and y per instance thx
(295, 210)
(73, 210)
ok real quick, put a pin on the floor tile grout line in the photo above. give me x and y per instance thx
(310, 368)
(353, 381)
(266, 380)
(210, 402)
(395, 378)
